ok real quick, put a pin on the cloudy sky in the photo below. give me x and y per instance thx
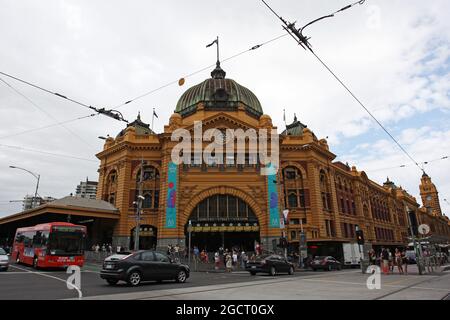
(394, 54)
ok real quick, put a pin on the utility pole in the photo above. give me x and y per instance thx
(138, 208)
(189, 231)
(416, 249)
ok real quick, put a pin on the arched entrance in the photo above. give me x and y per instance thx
(147, 237)
(223, 220)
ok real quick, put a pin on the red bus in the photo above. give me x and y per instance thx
(56, 244)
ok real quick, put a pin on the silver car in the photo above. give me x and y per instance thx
(4, 260)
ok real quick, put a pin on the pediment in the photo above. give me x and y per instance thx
(223, 120)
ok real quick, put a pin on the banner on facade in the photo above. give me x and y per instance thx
(171, 209)
(274, 214)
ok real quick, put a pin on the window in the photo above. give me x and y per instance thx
(290, 173)
(147, 200)
(156, 204)
(292, 199)
(223, 208)
(342, 206)
(161, 258)
(147, 256)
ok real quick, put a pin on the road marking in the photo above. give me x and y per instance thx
(51, 277)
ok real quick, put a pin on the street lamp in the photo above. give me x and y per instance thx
(37, 176)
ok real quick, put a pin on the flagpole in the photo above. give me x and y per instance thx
(218, 49)
(153, 117)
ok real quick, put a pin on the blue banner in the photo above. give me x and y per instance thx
(171, 203)
(274, 214)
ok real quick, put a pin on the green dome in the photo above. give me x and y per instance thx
(218, 93)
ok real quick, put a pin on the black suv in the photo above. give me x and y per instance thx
(142, 266)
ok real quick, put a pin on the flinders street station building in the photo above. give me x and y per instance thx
(236, 205)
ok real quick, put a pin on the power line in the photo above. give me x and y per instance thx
(48, 126)
(46, 152)
(45, 112)
(198, 71)
(109, 113)
(406, 165)
(303, 41)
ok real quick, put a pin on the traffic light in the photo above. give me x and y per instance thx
(360, 237)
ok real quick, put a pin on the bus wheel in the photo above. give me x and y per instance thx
(35, 263)
(18, 259)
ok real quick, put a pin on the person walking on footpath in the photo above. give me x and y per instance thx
(385, 260)
(235, 259)
(216, 261)
(405, 261)
(244, 259)
(391, 261)
(229, 263)
(398, 260)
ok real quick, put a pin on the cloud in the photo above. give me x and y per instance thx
(382, 159)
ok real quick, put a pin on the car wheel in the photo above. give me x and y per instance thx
(314, 269)
(291, 270)
(273, 271)
(134, 278)
(112, 282)
(35, 263)
(181, 276)
(330, 267)
(253, 273)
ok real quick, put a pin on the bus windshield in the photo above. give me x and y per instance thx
(66, 243)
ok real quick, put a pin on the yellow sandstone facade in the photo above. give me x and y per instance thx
(230, 205)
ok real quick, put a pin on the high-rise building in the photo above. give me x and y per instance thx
(87, 189)
(30, 202)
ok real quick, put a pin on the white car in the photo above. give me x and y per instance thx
(4, 260)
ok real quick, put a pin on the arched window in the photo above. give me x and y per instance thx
(147, 203)
(111, 187)
(223, 208)
(325, 191)
(292, 200)
(295, 193)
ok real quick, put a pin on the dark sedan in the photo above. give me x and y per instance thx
(325, 263)
(140, 266)
(271, 264)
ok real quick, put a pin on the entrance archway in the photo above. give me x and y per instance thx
(147, 237)
(223, 220)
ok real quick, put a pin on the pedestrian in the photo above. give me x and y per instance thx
(391, 261)
(196, 253)
(405, 261)
(244, 259)
(398, 260)
(385, 260)
(427, 255)
(216, 260)
(372, 257)
(235, 259)
(229, 263)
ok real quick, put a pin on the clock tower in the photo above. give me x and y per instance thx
(429, 194)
